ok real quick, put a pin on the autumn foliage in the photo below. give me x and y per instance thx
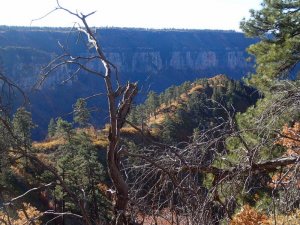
(28, 214)
(290, 138)
(250, 216)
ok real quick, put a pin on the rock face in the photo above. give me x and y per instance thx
(170, 55)
(155, 58)
(198, 61)
(23, 65)
(153, 61)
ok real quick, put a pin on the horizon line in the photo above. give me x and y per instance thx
(120, 28)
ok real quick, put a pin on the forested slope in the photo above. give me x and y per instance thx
(212, 151)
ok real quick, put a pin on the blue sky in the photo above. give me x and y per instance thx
(187, 14)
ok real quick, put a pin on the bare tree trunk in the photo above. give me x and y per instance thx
(117, 120)
(119, 103)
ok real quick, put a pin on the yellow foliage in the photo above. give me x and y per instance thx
(106, 128)
(101, 142)
(217, 80)
(98, 138)
(196, 88)
(155, 131)
(129, 130)
(158, 119)
(24, 216)
(249, 216)
(164, 110)
(49, 144)
(102, 187)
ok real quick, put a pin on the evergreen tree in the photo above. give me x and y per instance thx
(140, 111)
(6, 181)
(216, 95)
(81, 113)
(169, 95)
(63, 128)
(23, 125)
(51, 128)
(152, 103)
(161, 98)
(169, 131)
(82, 172)
(277, 24)
(185, 87)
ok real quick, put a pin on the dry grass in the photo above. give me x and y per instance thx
(169, 110)
(195, 88)
(217, 79)
(18, 171)
(25, 215)
(155, 131)
(49, 143)
(159, 119)
(102, 143)
(129, 130)
(98, 138)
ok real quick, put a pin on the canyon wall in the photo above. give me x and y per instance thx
(156, 59)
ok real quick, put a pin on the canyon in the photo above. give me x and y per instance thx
(156, 59)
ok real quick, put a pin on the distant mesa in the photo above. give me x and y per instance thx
(155, 58)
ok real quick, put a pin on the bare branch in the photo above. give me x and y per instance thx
(26, 193)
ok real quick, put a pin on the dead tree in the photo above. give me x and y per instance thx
(119, 98)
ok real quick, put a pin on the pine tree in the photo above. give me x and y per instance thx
(133, 117)
(82, 172)
(169, 131)
(81, 113)
(277, 25)
(185, 87)
(64, 128)
(169, 95)
(23, 125)
(5, 165)
(51, 128)
(152, 103)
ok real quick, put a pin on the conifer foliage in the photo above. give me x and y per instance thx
(81, 113)
(277, 25)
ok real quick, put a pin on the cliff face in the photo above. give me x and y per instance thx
(191, 64)
(155, 58)
(197, 61)
(23, 65)
(171, 55)
(152, 61)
